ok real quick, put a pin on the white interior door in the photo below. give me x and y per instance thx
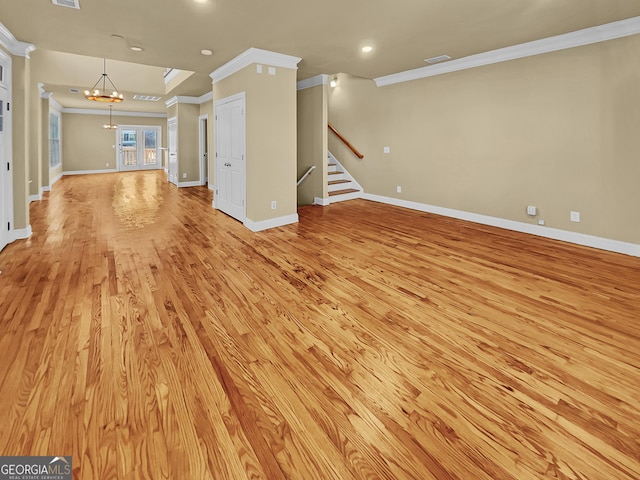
(139, 147)
(6, 188)
(230, 161)
(172, 146)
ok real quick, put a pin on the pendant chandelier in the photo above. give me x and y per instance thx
(110, 125)
(103, 95)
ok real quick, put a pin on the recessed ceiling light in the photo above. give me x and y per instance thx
(206, 51)
(440, 58)
(367, 49)
(135, 48)
(201, 1)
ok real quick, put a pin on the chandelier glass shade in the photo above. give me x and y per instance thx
(104, 95)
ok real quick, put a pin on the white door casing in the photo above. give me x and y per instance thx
(230, 156)
(172, 146)
(204, 149)
(6, 167)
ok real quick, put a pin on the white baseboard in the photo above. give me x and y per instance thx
(195, 183)
(321, 201)
(88, 172)
(22, 233)
(271, 223)
(35, 198)
(541, 231)
(54, 180)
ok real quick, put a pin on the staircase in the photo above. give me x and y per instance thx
(340, 185)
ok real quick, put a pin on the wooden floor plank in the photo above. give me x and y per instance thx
(151, 336)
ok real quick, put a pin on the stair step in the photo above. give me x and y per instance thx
(342, 192)
(334, 173)
(336, 182)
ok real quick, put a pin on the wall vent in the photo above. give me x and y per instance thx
(74, 90)
(147, 98)
(438, 59)
(67, 3)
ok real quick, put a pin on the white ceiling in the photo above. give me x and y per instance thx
(327, 35)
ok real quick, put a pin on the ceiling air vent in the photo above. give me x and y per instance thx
(74, 90)
(67, 3)
(438, 59)
(146, 98)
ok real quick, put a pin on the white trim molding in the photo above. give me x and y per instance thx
(271, 223)
(88, 172)
(22, 233)
(312, 82)
(183, 99)
(254, 55)
(16, 47)
(586, 36)
(206, 97)
(195, 183)
(323, 202)
(541, 231)
(171, 74)
(116, 113)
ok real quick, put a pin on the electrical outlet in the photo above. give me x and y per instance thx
(273, 205)
(540, 222)
(399, 189)
(184, 175)
(532, 210)
(386, 150)
(575, 216)
(107, 164)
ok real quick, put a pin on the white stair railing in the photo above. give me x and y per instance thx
(306, 174)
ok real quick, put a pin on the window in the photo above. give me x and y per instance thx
(54, 139)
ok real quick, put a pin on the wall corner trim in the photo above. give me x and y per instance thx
(271, 223)
(254, 55)
(586, 36)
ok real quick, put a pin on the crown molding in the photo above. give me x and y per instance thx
(116, 113)
(312, 82)
(254, 55)
(207, 97)
(587, 36)
(15, 47)
(182, 99)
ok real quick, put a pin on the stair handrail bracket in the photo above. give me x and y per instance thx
(346, 142)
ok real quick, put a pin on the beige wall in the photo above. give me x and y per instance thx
(558, 131)
(35, 140)
(188, 154)
(312, 143)
(86, 146)
(271, 138)
(20, 92)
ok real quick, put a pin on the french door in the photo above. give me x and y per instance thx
(139, 147)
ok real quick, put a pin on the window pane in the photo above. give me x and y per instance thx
(150, 150)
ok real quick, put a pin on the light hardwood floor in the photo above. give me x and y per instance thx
(150, 337)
